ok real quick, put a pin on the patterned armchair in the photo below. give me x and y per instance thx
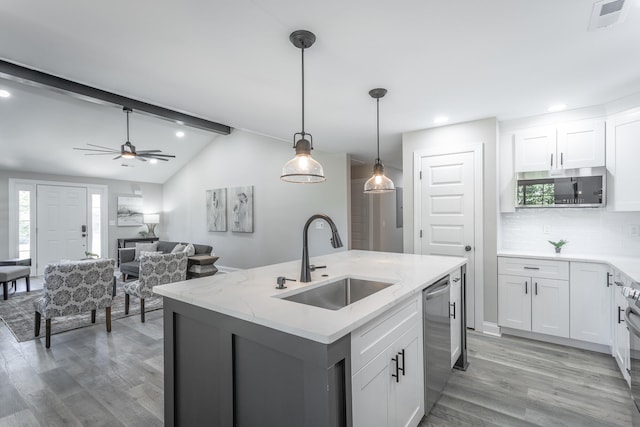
(75, 287)
(155, 270)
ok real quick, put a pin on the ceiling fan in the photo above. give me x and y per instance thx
(127, 150)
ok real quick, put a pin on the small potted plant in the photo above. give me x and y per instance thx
(558, 245)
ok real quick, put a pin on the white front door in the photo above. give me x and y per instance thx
(447, 193)
(61, 224)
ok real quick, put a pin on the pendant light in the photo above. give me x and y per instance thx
(378, 183)
(302, 168)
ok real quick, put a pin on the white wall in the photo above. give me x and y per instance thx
(280, 208)
(151, 194)
(588, 230)
(463, 134)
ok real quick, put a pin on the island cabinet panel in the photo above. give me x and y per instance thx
(224, 371)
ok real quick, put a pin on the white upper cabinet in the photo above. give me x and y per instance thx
(623, 152)
(579, 144)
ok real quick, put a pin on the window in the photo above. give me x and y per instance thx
(24, 224)
(96, 217)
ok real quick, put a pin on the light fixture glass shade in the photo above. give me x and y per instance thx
(303, 168)
(151, 218)
(378, 183)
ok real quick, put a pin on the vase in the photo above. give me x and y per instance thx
(558, 250)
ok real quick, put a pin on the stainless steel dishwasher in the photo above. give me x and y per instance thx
(437, 340)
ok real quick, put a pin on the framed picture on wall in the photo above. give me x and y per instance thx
(130, 211)
(241, 209)
(217, 209)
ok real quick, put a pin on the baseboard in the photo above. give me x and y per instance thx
(600, 348)
(490, 328)
(225, 269)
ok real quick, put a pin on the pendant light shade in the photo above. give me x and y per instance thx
(302, 168)
(378, 183)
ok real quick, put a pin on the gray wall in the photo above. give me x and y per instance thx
(484, 131)
(386, 236)
(280, 208)
(151, 193)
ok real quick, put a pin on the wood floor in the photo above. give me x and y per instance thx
(89, 377)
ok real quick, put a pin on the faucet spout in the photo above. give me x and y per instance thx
(336, 242)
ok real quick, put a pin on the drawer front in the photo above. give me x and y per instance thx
(527, 267)
(373, 338)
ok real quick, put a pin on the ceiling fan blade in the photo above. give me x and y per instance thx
(141, 159)
(98, 154)
(116, 158)
(100, 151)
(100, 146)
(148, 151)
(157, 155)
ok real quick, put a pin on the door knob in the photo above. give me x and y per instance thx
(467, 248)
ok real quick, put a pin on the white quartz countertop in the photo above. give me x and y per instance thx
(630, 266)
(251, 294)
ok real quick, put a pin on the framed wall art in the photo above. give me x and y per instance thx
(241, 209)
(130, 211)
(217, 209)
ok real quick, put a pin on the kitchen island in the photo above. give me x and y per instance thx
(237, 353)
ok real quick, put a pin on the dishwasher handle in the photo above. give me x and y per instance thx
(437, 289)
(632, 324)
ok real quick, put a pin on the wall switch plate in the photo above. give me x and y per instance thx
(319, 225)
(634, 230)
(546, 229)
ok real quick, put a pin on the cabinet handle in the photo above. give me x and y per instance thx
(551, 165)
(401, 353)
(629, 371)
(454, 311)
(619, 283)
(526, 287)
(456, 279)
(532, 268)
(561, 159)
(396, 375)
(620, 319)
(608, 277)
(536, 288)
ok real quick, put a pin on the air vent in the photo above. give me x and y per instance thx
(606, 13)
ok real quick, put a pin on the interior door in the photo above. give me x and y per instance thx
(61, 224)
(447, 192)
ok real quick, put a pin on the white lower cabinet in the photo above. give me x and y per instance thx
(456, 316)
(534, 304)
(590, 302)
(388, 383)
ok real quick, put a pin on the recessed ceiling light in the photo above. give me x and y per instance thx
(557, 107)
(441, 120)
(4, 93)
(179, 134)
(153, 161)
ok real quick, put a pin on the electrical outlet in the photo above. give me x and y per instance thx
(319, 225)
(546, 229)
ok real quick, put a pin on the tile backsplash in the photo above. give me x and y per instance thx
(588, 230)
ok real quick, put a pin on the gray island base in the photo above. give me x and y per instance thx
(237, 354)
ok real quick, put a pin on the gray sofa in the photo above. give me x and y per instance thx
(130, 267)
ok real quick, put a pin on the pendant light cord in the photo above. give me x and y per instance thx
(128, 112)
(378, 126)
(302, 92)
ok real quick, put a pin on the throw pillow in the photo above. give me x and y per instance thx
(147, 247)
(178, 248)
(190, 250)
(147, 253)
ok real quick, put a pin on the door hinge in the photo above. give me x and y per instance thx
(420, 174)
(421, 234)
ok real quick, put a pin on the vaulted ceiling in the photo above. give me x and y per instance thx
(232, 62)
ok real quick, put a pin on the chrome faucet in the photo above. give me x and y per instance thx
(305, 273)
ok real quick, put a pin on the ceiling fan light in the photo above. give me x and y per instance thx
(378, 183)
(128, 155)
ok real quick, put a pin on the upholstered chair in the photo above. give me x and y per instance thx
(75, 287)
(155, 269)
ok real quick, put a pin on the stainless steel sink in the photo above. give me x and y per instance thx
(338, 294)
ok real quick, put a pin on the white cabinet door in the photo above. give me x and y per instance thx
(621, 344)
(371, 394)
(409, 390)
(590, 309)
(623, 152)
(550, 307)
(456, 319)
(514, 302)
(535, 149)
(581, 145)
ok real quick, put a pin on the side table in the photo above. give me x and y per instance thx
(201, 266)
(16, 261)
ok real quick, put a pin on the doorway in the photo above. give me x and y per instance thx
(448, 212)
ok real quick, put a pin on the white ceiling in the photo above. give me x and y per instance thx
(232, 62)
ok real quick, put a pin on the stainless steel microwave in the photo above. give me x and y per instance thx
(576, 191)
